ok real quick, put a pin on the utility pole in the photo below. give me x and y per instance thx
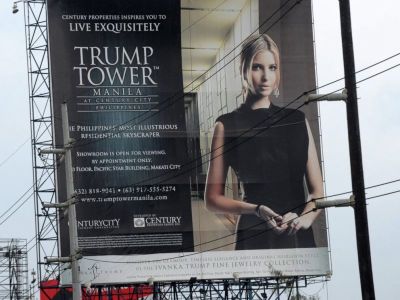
(357, 174)
(73, 230)
(69, 204)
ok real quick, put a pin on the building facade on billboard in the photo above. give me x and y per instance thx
(142, 147)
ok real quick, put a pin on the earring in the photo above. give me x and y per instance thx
(276, 93)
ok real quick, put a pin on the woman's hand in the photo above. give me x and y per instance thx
(273, 220)
(293, 222)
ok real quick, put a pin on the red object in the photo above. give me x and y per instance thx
(50, 290)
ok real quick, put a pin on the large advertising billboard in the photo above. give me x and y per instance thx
(146, 130)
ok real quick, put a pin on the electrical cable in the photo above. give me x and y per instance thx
(326, 84)
(369, 187)
(179, 93)
(362, 80)
(365, 79)
(384, 194)
(14, 152)
(363, 69)
(288, 10)
(22, 197)
(304, 93)
(312, 90)
(17, 209)
(215, 248)
(200, 252)
(26, 200)
(234, 233)
(356, 72)
(258, 224)
(178, 173)
(17, 201)
(325, 197)
(379, 73)
(174, 172)
(204, 16)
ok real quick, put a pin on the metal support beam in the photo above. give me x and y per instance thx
(335, 203)
(326, 97)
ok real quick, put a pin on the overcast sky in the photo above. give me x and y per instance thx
(375, 35)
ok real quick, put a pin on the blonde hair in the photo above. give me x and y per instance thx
(251, 46)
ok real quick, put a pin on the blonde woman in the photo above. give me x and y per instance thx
(272, 152)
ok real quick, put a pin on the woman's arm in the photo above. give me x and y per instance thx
(215, 198)
(315, 190)
(215, 184)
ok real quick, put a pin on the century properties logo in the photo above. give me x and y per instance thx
(155, 221)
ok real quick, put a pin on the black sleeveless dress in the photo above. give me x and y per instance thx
(268, 150)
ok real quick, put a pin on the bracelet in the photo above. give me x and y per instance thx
(258, 210)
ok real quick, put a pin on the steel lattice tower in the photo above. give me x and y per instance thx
(13, 269)
(41, 132)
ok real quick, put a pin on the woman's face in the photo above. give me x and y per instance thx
(264, 73)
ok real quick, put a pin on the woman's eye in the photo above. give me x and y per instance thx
(256, 67)
(273, 67)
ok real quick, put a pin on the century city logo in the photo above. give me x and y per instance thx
(99, 224)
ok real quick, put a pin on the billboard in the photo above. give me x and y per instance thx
(142, 146)
(120, 75)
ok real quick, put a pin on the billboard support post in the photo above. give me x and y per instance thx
(73, 231)
(357, 176)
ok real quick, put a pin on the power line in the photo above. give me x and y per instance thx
(26, 200)
(291, 209)
(22, 197)
(303, 94)
(198, 252)
(170, 100)
(325, 197)
(307, 92)
(329, 196)
(14, 152)
(297, 108)
(17, 201)
(129, 121)
(204, 16)
(361, 81)
(363, 69)
(175, 173)
(303, 104)
(384, 194)
(218, 247)
(369, 187)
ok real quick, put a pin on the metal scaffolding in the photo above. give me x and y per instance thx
(41, 133)
(13, 269)
(278, 288)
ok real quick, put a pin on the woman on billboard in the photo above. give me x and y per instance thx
(273, 154)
